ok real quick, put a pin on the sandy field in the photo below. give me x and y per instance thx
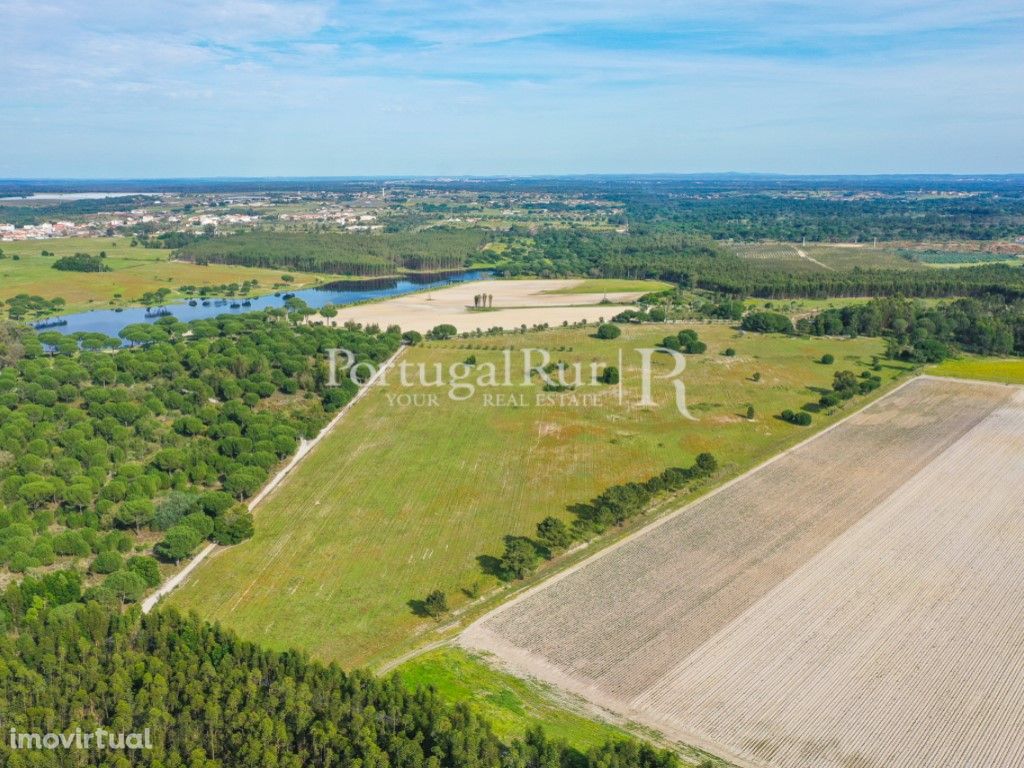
(515, 302)
(856, 602)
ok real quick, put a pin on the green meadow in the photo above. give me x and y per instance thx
(134, 271)
(1008, 370)
(408, 494)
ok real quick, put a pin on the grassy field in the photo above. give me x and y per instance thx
(403, 498)
(511, 704)
(608, 285)
(1002, 369)
(134, 271)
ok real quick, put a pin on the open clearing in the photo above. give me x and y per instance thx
(403, 499)
(134, 271)
(856, 602)
(515, 303)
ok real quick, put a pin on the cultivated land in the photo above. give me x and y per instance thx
(516, 303)
(134, 271)
(820, 257)
(400, 499)
(854, 602)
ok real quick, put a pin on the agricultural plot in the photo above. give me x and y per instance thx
(378, 515)
(854, 602)
(822, 257)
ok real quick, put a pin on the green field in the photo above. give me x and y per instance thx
(511, 704)
(1002, 369)
(403, 499)
(134, 271)
(610, 285)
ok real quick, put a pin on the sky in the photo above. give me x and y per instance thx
(153, 89)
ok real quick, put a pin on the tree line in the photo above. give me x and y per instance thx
(343, 253)
(211, 700)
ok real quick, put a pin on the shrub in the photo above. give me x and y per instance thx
(233, 526)
(71, 543)
(608, 331)
(800, 418)
(107, 562)
(706, 463)
(179, 543)
(146, 567)
(436, 604)
(827, 359)
(175, 506)
(609, 375)
(442, 332)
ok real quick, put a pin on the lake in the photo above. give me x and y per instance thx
(111, 321)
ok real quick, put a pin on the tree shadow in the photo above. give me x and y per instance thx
(490, 565)
(419, 607)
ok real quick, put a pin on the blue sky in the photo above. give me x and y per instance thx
(94, 88)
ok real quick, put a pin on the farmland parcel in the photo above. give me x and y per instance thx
(856, 602)
(401, 499)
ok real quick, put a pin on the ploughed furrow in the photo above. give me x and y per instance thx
(615, 626)
(900, 644)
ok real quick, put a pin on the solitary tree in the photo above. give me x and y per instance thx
(436, 604)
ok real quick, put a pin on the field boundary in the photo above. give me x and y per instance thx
(305, 447)
(661, 513)
(555, 577)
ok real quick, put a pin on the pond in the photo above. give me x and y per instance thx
(111, 321)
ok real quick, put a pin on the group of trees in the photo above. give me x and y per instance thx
(926, 333)
(846, 385)
(171, 435)
(654, 314)
(80, 262)
(685, 341)
(614, 506)
(24, 306)
(766, 322)
(211, 700)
